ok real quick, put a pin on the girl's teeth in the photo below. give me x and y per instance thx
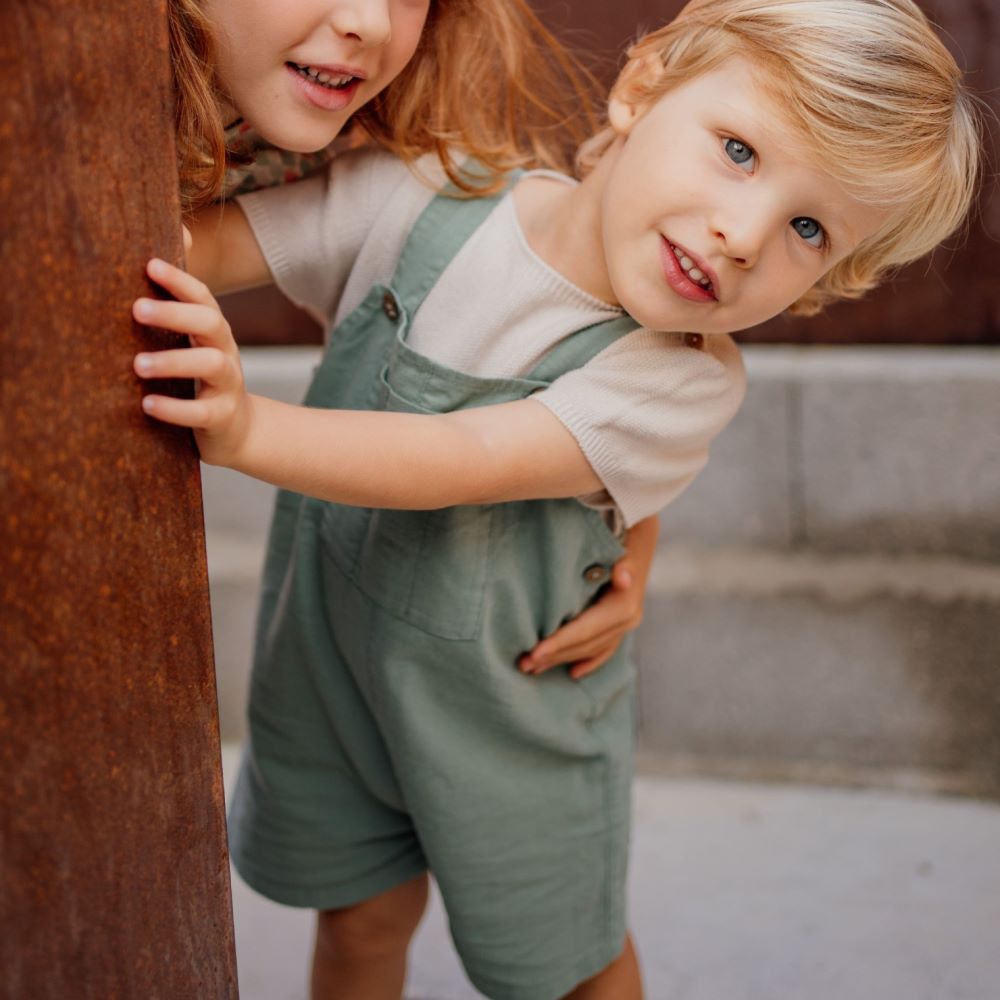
(697, 274)
(687, 263)
(324, 78)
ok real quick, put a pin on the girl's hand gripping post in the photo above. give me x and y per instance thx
(221, 412)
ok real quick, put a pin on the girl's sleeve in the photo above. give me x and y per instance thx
(645, 411)
(310, 232)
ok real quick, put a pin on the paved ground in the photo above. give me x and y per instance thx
(752, 892)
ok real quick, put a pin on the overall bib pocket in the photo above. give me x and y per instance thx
(425, 567)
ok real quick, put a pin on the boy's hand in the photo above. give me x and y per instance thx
(590, 640)
(221, 412)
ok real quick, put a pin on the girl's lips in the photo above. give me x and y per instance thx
(678, 280)
(324, 98)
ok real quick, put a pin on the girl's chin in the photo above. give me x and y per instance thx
(304, 140)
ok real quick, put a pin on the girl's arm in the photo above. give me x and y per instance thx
(590, 640)
(225, 254)
(512, 451)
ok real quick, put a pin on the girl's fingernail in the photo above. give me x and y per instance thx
(143, 363)
(625, 577)
(143, 308)
(148, 404)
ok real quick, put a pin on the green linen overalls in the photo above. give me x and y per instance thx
(391, 731)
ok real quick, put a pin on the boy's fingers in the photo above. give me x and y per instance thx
(182, 412)
(180, 284)
(181, 317)
(206, 363)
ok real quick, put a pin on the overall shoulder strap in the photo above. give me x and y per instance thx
(439, 233)
(578, 348)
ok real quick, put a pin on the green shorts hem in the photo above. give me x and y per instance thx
(555, 986)
(331, 897)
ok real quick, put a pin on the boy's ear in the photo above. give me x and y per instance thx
(632, 93)
(622, 115)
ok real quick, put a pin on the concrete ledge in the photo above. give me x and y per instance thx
(848, 667)
(858, 449)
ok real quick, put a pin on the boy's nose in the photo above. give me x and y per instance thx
(364, 21)
(738, 244)
(741, 230)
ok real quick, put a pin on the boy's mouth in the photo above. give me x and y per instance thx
(325, 78)
(692, 270)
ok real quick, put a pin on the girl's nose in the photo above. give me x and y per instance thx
(364, 21)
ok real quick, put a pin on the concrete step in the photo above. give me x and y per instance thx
(804, 666)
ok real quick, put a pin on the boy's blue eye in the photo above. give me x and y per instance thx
(809, 229)
(738, 152)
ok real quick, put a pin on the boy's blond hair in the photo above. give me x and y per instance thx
(487, 79)
(869, 86)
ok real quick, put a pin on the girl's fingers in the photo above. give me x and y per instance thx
(206, 363)
(585, 667)
(606, 621)
(202, 321)
(593, 646)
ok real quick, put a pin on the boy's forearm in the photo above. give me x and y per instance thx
(405, 461)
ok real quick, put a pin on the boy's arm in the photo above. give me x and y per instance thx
(490, 454)
(512, 451)
(225, 254)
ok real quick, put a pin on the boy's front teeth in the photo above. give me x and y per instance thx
(694, 273)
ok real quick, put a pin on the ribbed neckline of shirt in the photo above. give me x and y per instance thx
(548, 276)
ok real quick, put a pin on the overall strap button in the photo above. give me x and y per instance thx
(595, 573)
(390, 307)
(695, 340)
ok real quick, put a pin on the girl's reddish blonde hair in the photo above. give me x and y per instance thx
(488, 80)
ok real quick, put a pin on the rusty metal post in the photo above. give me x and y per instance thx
(114, 879)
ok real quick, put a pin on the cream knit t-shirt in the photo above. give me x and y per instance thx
(643, 411)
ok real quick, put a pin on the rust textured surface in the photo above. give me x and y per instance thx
(952, 297)
(114, 881)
